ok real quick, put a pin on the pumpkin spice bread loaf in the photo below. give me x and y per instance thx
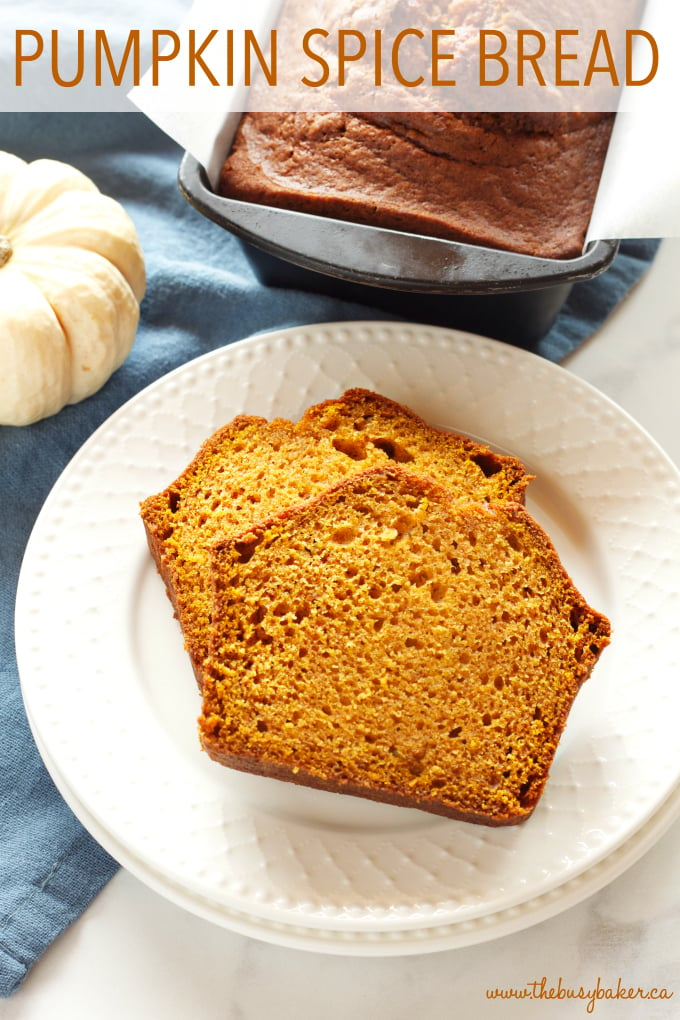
(252, 468)
(518, 182)
(384, 640)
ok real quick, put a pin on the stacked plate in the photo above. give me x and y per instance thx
(113, 703)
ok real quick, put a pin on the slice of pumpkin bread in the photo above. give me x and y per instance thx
(385, 641)
(361, 421)
(252, 468)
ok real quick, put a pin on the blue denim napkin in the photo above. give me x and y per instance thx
(202, 294)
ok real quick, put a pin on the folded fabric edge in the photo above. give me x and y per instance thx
(43, 910)
(591, 303)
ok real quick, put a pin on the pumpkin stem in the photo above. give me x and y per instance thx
(5, 250)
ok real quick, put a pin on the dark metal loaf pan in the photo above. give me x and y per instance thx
(494, 293)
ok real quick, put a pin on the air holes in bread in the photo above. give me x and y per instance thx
(488, 463)
(393, 450)
(514, 542)
(354, 448)
(246, 549)
(344, 535)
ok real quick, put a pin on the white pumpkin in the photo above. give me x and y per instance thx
(71, 279)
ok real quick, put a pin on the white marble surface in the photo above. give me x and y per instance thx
(135, 955)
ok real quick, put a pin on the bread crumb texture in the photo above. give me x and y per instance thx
(253, 468)
(371, 610)
(382, 637)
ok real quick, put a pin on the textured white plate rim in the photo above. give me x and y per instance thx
(427, 939)
(341, 334)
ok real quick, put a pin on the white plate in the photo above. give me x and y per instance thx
(433, 938)
(113, 703)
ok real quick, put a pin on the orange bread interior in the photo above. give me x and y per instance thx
(252, 468)
(388, 641)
